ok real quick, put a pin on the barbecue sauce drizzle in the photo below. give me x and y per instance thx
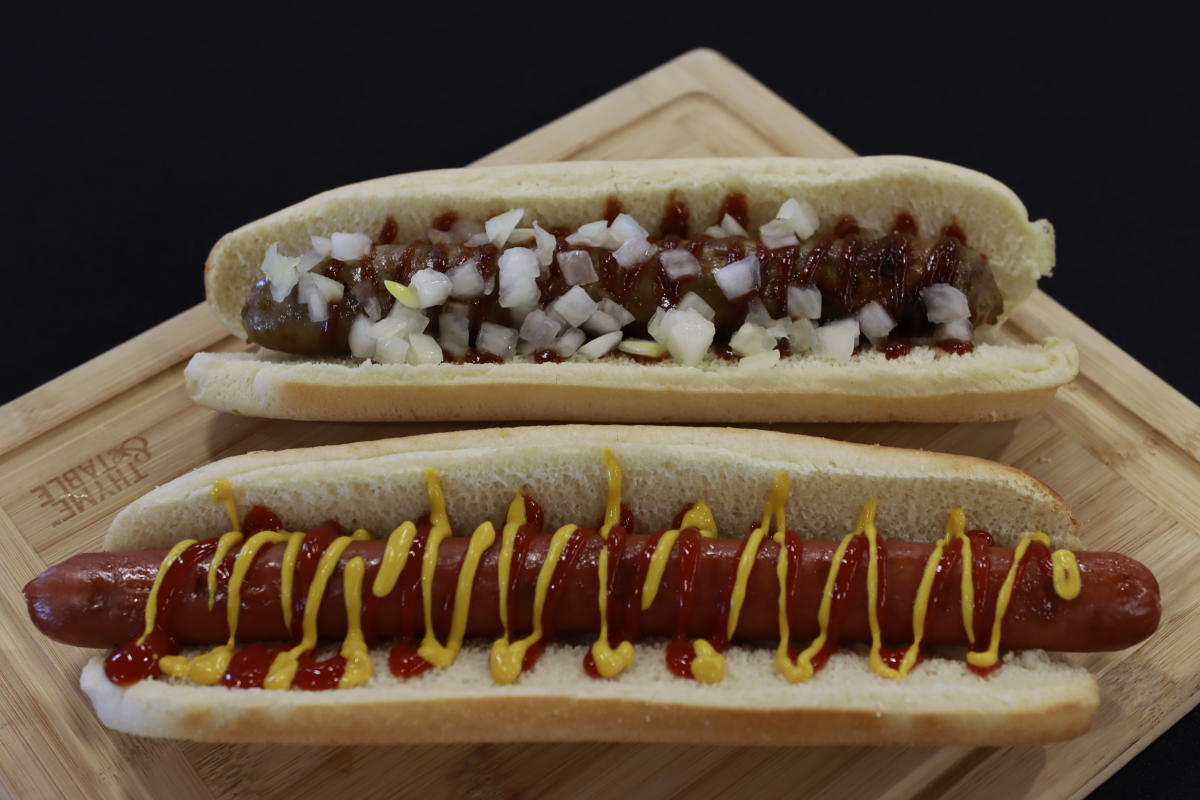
(408, 567)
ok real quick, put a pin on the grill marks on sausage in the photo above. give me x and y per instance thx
(848, 266)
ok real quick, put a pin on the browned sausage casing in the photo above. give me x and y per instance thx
(98, 599)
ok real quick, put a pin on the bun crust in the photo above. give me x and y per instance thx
(998, 382)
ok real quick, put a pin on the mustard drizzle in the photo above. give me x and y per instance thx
(506, 657)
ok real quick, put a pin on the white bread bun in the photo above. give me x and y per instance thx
(1032, 698)
(1000, 382)
(377, 485)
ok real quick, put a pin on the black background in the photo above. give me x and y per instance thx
(134, 139)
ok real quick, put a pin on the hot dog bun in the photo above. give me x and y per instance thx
(998, 381)
(1032, 698)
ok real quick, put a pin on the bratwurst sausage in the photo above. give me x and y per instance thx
(849, 267)
(98, 599)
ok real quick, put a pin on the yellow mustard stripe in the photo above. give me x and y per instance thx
(431, 650)
(506, 657)
(658, 565)
(610, 662)
(354, 646)
(287, 576)
(513, 522)
(152, 601)
(395, 557)
(227, 542)
(773, 511)
(700, 517)
(222, 492)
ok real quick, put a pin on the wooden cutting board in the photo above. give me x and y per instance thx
(1120, 445)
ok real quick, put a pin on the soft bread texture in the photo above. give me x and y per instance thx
(568, 194)
(995, 382)
(1032, 698)
(378, 485)
(1000, 382)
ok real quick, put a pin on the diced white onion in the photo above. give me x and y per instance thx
(600, 345)
(577, 267)
(777, 233)
(875, 321)
(372, 308)
(689, 335)
(477, 240)
(497, 340)
(349, 246)
(959, 329)
(423, 349)
(625, 227)
(732, 227)
(400, 322)
(633, 252)
(466, 281)
(802, 335)
(432, 287)
(454, 331)
(308, 260)
(804, 303)
(464, 229)
(519, 293)
(764, 360)
(575, 306)
(330, 289)
(679, 263)
(642, 347)
(518, 271)
(309, 294)
(616, 311)
(322, 244)
(281, 273)
(569, 342)
(756, 312)
(655, 326)
(392, 350)
(601, 322)
(518, 313)
(739, 278)
(539, 329)
(499, 227)
(593, 234)
(751, 339)
(837, 340)
(546, 242)
(944, 303)
(694, 302)
(800, 217)
(361, 345)
(520, 235)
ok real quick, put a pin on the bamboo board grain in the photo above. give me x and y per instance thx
(1120, 445)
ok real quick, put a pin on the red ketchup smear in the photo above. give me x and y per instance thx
(616, 550)
(403, 660)
(558, 582)
(249, 666)
(679, 649)
(855, 555)
(631, 617)
(956, 346)
(313, 675)
(891, 656)
(675, 218)
(314, 545)
(387, 234)
(896, 348)
(795, 556)
(260, 518)
(135, 662)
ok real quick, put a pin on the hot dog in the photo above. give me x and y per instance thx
(790, 599)
(757, 289)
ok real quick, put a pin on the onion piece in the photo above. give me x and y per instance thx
(466, 281)
(432, 287)
(694, 302)
(371, 307)
(424, 349)
(616, 311)
(642, 347)
(689, 335)
(322, 244)
(593, 234)
(802, 335)
(501, 226)
(308, 260)
(281, 273)
(945, 303)
(804, 302)
(392, 350)
(601, 322)
(401, 321)
(544, 250)
(800, 217)
(837, 339)
(679, 263)
(876, 322)
(518, 273)
(520, 235)
(756, 313)
(349, 246)
(497, 340)
(739, 278)
(601, 345)
(732, 227)
(777, 233)
(960, 329)
(464, 229)
(751, 339)
(361, 344)
(624, 227)
(575, 306)
(764, 360)
(569, 342)
(633, 252)
(577, 267)
(539, 329)
(454, 332)
(309, 293)
(477, 240)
